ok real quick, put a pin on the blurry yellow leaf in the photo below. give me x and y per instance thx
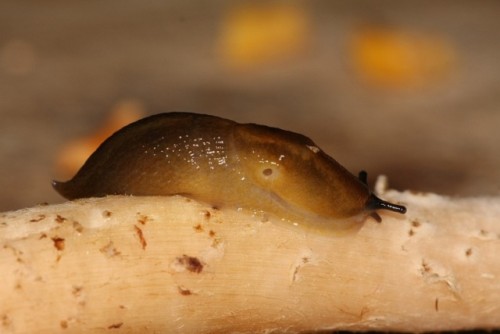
(256, 34)
(394, 58)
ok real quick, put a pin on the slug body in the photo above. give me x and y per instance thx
(225, 163)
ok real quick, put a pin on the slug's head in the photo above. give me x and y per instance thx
(301, 177)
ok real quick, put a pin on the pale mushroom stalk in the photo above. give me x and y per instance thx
(173, 265)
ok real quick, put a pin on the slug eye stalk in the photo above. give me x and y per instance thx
(375, 203)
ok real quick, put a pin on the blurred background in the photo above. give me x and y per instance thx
(407, 89)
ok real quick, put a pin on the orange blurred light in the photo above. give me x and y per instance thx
(396, 58)
(258, 34)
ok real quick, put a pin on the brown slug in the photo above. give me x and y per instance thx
(227, 164)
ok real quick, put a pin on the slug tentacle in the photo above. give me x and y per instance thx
(375, 203)
(363, 177)
(225, 163)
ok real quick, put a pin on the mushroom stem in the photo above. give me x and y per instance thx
(173, 265)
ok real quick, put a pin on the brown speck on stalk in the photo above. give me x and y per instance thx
(183, 291)
(190, 263)
(37, 219)
(140, 235)
(115, 326)
(58, 243)
(60, 219)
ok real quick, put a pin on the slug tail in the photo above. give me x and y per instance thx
(375, 203)
(62, 189)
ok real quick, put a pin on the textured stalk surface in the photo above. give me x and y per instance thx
(172, 265)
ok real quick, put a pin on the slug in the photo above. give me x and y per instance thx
(228, 164)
